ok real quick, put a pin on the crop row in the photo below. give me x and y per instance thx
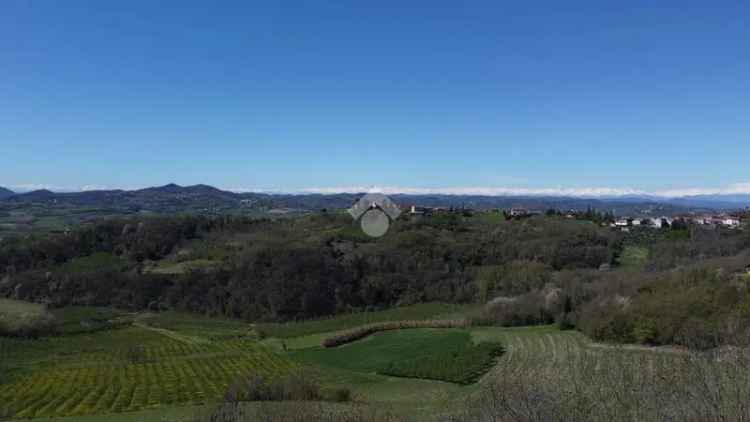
(464, 366)
(363, 331)
(64, 350)
(65, 391)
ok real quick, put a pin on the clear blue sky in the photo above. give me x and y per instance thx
(291, 95)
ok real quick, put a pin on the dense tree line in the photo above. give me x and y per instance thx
(535, 270)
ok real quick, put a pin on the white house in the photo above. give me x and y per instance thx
(731, 222)
(660, 222)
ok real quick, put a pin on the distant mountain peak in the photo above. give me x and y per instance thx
(35, 195)
(171, 187)
(4, 192)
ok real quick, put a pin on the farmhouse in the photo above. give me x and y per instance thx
(645, 222)
(416, 210)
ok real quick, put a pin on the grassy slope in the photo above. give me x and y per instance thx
(12, 308)
(341, 322)
(198, 326)
(78, 319)
(415, 398)
(542, 347)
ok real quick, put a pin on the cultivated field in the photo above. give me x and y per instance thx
(437, 354)
(168, 366)
(123, 370)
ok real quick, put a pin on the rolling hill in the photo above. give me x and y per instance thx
(204, 198)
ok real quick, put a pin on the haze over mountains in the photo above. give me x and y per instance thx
(171, 197)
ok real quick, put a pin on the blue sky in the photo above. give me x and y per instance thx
(429, 95)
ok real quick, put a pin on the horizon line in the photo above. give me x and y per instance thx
(585, 192)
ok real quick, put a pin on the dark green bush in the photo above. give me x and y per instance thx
(299, 385)
(341, 395)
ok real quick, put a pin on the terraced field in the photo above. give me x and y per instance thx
(124, 370)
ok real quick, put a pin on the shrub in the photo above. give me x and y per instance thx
(295, 412)
(528, 309)
(566, 321)
(341, 395)
(645, 331)
(357, 333)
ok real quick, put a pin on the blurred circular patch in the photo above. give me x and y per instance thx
(374, 223)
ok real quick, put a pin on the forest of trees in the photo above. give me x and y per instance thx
(541, 269)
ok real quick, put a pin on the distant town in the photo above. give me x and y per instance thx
(624, 223)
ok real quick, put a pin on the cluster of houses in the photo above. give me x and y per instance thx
(720, 220)
(417, 210)
(716, 220)
(625, 223)
(656, 223)
(521, 212)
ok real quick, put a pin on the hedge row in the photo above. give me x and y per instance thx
(363, 331)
